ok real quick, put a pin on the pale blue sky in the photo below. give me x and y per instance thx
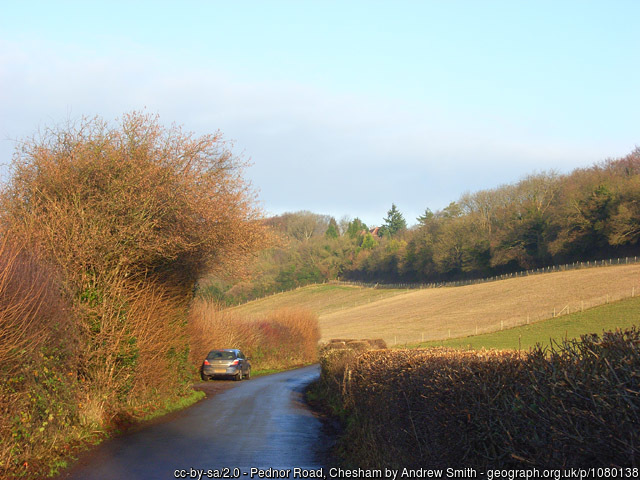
(343, 107)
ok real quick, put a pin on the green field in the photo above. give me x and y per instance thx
(622, 314)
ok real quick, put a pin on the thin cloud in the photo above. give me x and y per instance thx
(311, 148)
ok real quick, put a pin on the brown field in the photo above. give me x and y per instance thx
(321, 299)
(412, 316)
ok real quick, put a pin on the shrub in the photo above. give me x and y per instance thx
(134, 349)
(130, 217)
(133, 215)
(576, 405)
(296, 341)
(138, 200)
(37, 359)
(284, 338)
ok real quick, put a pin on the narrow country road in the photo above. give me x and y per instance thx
(260, 423)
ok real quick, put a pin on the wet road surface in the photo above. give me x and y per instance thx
(260, 423)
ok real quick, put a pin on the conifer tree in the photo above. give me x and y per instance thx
(394, 222)
(425, 217)
(356, 227)
(332, 230)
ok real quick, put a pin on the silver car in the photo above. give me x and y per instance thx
(229, 362)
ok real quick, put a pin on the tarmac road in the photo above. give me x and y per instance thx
(261, 423)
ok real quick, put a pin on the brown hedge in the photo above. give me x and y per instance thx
(38, 351)
(137, 199)
(129, 217)
(575, 405)
(282, 339)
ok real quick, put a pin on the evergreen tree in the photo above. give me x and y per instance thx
(332, 230)
(394, 222)
(425, 217)
(368, 242)
(356, 227)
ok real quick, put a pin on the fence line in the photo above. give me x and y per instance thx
(461, 283)
(523, 273)
(518, 320)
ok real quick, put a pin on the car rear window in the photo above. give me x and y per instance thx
(220, 355)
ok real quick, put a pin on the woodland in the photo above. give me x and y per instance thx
(544, 219)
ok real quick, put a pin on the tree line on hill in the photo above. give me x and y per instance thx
(544, 219)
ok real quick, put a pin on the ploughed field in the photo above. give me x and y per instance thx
(413, 316)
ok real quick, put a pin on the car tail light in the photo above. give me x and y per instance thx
(235, 362)
(206, 362)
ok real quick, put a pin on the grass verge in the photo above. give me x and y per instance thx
(73, 448)
(269, 371)
(174, 405)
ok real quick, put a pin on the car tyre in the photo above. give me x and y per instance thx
(238, 376)
(204, 377)
(248, 375)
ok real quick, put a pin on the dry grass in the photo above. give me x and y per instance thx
(622, 314)
(434, 314)
(281, 339)
(320, 299)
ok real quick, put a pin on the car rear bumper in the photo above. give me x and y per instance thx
(212, 371)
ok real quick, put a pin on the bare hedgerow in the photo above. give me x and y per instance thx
(137, 199)
(131, 216)
(574, 405)
(38, 348)
(282, 339)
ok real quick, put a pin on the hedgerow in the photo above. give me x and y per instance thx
(115, 223)
(576, 404)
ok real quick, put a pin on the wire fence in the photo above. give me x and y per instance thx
(460, 283)
(523, 273)
(518, 319)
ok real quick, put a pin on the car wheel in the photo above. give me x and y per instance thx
(239, 376)
(248, 375)
(204, 377)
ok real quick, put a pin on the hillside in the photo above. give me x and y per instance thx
(542, 220)
(411, 316)
(321, 299)
(622, 314)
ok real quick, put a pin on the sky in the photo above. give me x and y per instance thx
(342, 107)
